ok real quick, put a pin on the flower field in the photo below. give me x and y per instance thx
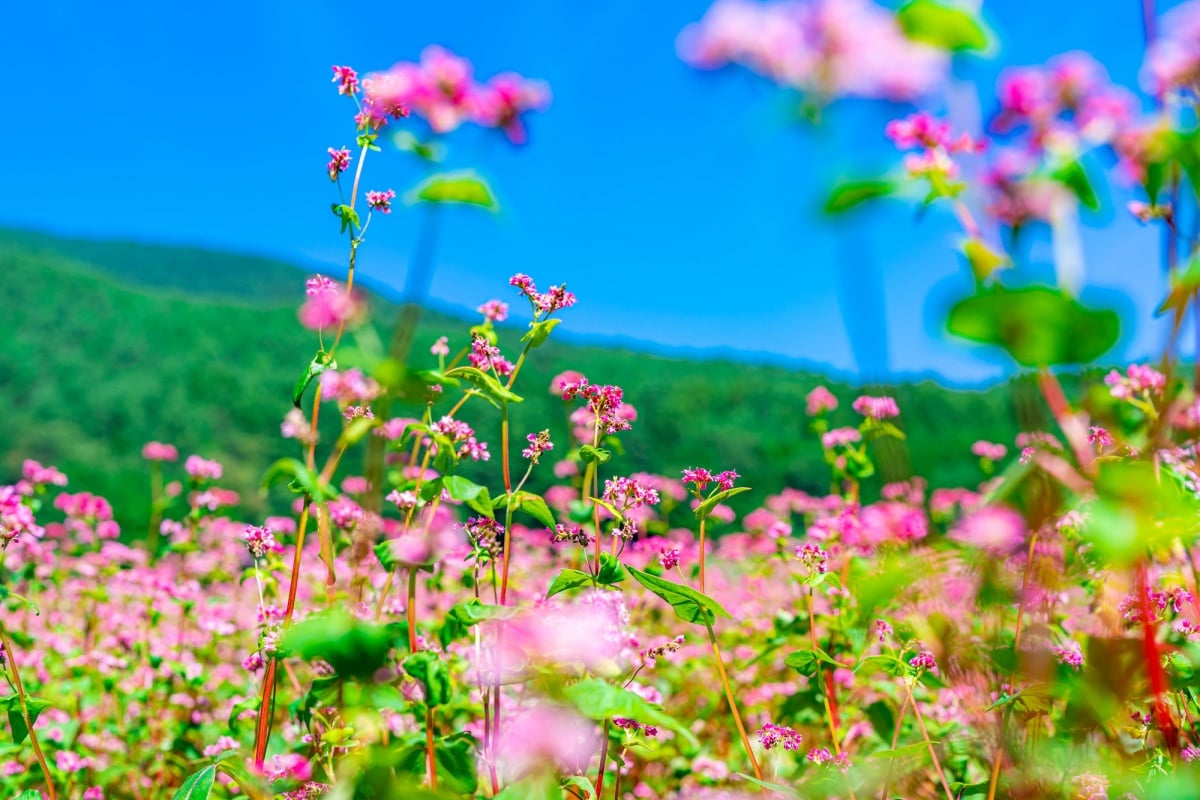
(414, 620)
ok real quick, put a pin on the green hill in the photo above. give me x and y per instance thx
(113, 344)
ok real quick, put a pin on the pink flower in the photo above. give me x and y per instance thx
(347, 387)
(157, 451)
(346, 79)
(820, 756)
(1139, 379)
(494, 311)
(877, 408)
(381, 201)
(989, 450)
(201, 469)
(840, 437)
(819, 400)
(995, 529)
(539, 443)
(923, 660)
(37, 474)
(545, 737)
(771, 734)
(260, 541)
(501, 102)
(1069, 654)
(327, 305)
(338, 161)
(441, 347)
(831, 48)
(564, 379)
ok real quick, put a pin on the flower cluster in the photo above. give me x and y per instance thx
(830, 48)
(771, 735)
(441, 90)
(543, 304)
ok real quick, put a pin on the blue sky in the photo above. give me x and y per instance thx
(679, 205)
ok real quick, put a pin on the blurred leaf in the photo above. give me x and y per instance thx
(405, 140)
(689, 605)
(808, 662)
(465, 187)
(1134, 512)
(907, 750)
(598, 699)
(454, 758)
(598, 454)
(983, 260)
(472, 612)
(848, 194)
(774, 787)
(354, 649)
(1038, 326)
(301, 479)
(942, 25)
(433, 675)
(582, 787)
(541, 788)
(1074, 177)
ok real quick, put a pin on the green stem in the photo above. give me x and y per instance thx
(11, 656)
(737, 718)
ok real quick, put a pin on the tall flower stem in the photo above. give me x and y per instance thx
(267, 702)
(702, 521)
(11, 657)
(994, 780)
(737, 717)
(937, 765)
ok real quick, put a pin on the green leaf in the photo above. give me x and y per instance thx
(404, 140)
(301, 479)
(348, 216)
(689, 605)
(354, 649)
(540, 788)
(454, 759)
(1074, 177)
(539, 332)
(321, 362)
(460, 488)
(568, 579)
(472, 612)
(984, 261)
(599, 700)
(16, 718)
(198, 785)
(808, 662)
(588, 454)
(1135, 511)
(30, 794)
(583, 787)
(463, 187)
(611, 570)
(433, 675)
(942, 25)
(901, 752)
(482, 503)
(774, 787)
(711, 501)
(528, 503)
(1037, 325)
(849, 194)
(487, 385)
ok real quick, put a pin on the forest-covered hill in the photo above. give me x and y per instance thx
(112, 344)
